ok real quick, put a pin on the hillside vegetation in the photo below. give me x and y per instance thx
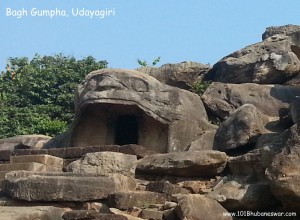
(37, 95)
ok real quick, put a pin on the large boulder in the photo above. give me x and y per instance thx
(105, 163)
(272, 61)
(33, 186)
(222, 99)
(236, 195)
(187, 164)
(253, 164)
(283, 173)
(35, 141)
(180, 75)
(204, 142)
(117, 106)
(241, 128)
(198, 207)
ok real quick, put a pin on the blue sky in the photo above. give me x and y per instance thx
(175, 30)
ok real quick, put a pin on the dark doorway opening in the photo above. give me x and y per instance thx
(126, 130)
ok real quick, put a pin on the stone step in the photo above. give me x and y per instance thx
(32, 166)
(23, 166)
(125, 200)
(84, 214)
(39, 158)
(6, 168)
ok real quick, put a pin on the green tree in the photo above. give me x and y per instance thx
(36, 96)
(143, 63)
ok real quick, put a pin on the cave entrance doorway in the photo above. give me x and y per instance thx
(126, 130)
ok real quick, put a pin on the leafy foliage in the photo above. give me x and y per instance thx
(144, 63)
(36, 96)
(199, 87)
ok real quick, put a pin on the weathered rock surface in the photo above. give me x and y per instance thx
(283, 173)
(204, 142)
(33, 186)
(242, 127)
(119, 212)
(222, 99)
(105, 163)
(142, 199)
(34, 141)
(134, 149)
(179, 75)
(47, 160)
(199, 163)
(194, 186)
(272, 141)
(288, 30)
(252, 165)
(272, 61)
(235, 195)
(152, 214)
(93, 215)
(162, 118)
(37, 167)
(295, 110)
(198, 207)
(164, 187)
(29, 213)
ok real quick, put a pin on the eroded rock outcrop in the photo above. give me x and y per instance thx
(222, 99)
(272, 61)
(180, 75)
(236, 195)
(115, 106)
(283, 173)
(288, 30)
(241, 128)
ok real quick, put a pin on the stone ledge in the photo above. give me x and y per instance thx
(65, 153)
(83, 214)
(32, 166)
(56, 186)
(142, 199)
(48, 160)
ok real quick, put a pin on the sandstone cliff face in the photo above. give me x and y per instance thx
(186, 168)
